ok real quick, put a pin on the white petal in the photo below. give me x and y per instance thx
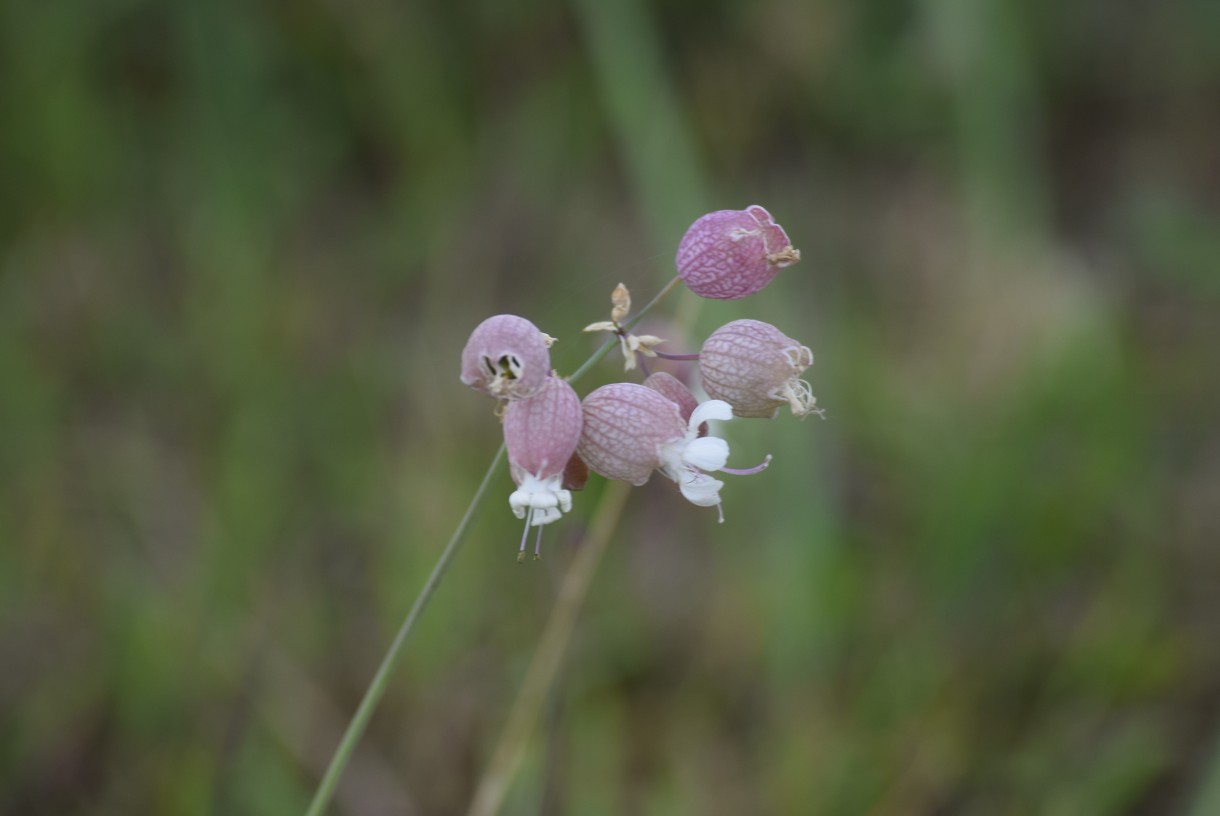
(544, 499)
(708, 453)
(712, 409)
(700, 489)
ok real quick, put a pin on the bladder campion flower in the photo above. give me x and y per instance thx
(630, 431)
(506, 357)
(541, 434)
(729, 254)
(756, 368)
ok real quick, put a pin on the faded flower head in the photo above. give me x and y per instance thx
(630, 344)
(631, 430)
(756, 368)
(506, 357)
(729, 254)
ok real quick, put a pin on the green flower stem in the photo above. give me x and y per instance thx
(377, 687)
(364, 712)
(510, 750)
(669, 287)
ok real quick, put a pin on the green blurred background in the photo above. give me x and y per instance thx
(242, 244)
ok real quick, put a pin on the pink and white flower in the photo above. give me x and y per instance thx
(541, 434)
(756, 368)
(630, 431)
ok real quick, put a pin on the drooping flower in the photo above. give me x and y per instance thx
(729, 254)
(630, 431)
(756, 368)
(506, 357)
(541, 434)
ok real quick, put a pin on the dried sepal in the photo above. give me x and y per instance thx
(620, 302)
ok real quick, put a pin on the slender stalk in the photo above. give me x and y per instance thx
(669, 287)
(377, 687)
(381, 679)
(510, 750)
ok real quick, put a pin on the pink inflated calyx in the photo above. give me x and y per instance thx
(729, 254)
(670, 387)
(506, 357)
(541, 434)
(630, 431)
(756, 368)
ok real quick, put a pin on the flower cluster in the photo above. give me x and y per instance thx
(626, 430)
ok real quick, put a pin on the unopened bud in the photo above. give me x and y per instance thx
(729, 254)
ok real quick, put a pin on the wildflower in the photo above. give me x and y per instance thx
(756, 368)
(630, 431)
(506, 357)
(728, 254)
(541, 434)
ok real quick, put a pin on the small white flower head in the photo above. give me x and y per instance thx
(729, 254)
(506, 357)
(756, 368)
(630, 431)
(541, 434)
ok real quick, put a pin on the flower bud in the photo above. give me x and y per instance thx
(756, 368)
(729, 254)
(506, 357)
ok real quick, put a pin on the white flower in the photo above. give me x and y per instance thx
(687, 459)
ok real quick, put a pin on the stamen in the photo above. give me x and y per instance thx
(667, 356)
(720, 510)
(799, 395)
(748, 471)
(510, 367)
(529, 514)
(538, 544)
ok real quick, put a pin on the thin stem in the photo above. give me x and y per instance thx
(510, 750)
(381, 679)
(665, 355)
(593, 360)
(669, 287)
(377, 687)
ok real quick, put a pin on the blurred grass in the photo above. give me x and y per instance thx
(241, 246)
